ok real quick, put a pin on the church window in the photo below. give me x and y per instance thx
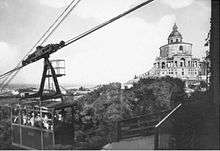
(176, 63)
(182, 63)
(177, 40)
(171, 40)
(182, 73)
(163, 65)
(188, 63)
(181, 48)
(168, 64)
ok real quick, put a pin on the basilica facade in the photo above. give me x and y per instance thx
(176, 60)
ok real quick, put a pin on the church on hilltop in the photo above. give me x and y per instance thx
(176, 60)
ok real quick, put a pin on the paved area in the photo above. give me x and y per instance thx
(138, 143)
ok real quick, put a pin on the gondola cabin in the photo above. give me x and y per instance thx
(35, 127)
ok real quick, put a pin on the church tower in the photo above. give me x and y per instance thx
(176, 60)
(175, 36)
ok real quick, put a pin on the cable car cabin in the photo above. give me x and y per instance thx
(35, 127)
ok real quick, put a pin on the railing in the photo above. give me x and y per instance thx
(143, 125)
(164, 130)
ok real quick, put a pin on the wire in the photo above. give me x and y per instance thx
(11, 78)
(52, 25)
(13, 70)
(17, 68)
(103, 24)
(61, 20)
(107, 22)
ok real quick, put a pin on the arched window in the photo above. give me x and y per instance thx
(177, 40)
(176, 63)
(196, 63)
(182, 62)
(163, 65)
(181, 48)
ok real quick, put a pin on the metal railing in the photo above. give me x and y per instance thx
(164, 131)
(143, 125)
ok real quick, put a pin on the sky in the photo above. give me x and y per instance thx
(115, 53)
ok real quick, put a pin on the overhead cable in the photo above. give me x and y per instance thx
(19, 66)
(106, 23)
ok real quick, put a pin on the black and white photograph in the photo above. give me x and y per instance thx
(109, 75)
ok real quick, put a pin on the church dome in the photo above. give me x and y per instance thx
(175, 32)
(175, 35)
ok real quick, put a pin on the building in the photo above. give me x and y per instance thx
(176, 60)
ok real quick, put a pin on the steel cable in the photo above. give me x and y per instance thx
(101, 25)
(19, 66)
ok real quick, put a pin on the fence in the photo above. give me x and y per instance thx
(143, 125)
(164, 131)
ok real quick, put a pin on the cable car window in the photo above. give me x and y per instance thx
(24, 117)
(63, 115)
(37, 118)
(30, 118)
(15, 115)
(63, 118)
(47, 120)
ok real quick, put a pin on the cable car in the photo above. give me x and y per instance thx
(35, 127)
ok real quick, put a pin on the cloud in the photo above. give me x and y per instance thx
(204, 4)
(103, 9)
(3, 4)
(176, 4)
(55, 3)
(118, 51)
(8, 58)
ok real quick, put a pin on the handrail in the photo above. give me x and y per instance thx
(168, 115)
(157, 128)
(143, 122)
(144, 115)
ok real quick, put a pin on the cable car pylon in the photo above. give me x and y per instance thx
(57, 129)
(47, 67)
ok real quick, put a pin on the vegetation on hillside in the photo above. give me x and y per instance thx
(96, 112)
(110, 103)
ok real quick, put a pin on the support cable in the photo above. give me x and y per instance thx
(19, 66)
(101, 25)
(106, 23)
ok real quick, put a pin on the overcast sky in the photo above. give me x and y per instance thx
(117, 52)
